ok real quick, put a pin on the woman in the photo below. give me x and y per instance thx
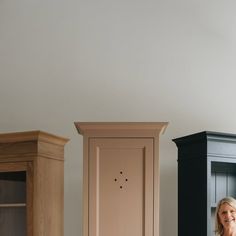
(225, 217)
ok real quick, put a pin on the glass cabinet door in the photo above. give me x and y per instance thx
(13, 199)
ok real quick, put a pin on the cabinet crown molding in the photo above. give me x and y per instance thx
(35, 135)
(121, 128)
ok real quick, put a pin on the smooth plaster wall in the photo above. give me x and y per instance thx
(72, 60)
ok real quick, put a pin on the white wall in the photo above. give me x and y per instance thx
(65, 60)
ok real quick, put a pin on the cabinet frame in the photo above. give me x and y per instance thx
(121, 130)
(41, 156)
(199, 155)
(26, 167)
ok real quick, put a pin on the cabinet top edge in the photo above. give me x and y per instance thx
(35, 135)
(206, 136)
(84, 127)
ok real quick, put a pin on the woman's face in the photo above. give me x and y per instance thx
(227, 216)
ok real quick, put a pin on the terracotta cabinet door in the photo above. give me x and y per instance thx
(121, 178)
(120, 186)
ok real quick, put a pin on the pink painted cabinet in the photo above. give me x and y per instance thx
(121, 178)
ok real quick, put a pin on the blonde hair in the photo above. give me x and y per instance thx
(219, 229)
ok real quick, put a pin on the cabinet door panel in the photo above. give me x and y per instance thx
(121, 187)
(13, 221)
(13, 199)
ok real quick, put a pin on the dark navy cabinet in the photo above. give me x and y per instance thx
(206, 173)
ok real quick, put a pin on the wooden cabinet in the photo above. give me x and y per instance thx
(206, 173)
(31, 184)
(121, 178)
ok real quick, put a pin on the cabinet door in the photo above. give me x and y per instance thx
(121, 186)
(15, 200)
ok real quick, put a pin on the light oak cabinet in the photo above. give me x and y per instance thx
(31, 184)
(121, 178)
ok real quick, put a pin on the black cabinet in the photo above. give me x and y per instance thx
(206, 173)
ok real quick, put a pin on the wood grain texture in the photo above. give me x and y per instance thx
(41, 156)
(26, 146)
(36, 135)
(48, 197)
